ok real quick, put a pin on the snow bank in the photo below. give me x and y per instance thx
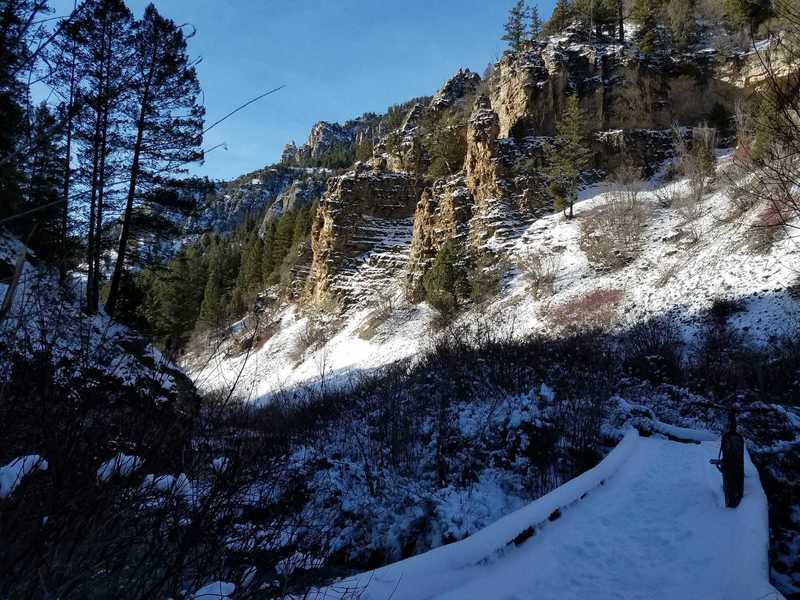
(178, 486)
(122, 465)
(218, 590)
(651, 523)
(11, 475)
(684, 433)
(433, 572)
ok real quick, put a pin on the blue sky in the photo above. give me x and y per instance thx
(337, 58)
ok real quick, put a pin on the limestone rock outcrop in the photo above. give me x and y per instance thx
(363, 215)
(271, 188)
(443, 213)
(461, 85)
(618, 87)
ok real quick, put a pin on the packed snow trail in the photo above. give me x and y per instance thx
(655, 528)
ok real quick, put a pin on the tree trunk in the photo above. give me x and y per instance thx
(621, 21)
(62, 265)
(93, 291)
(93, 208)
(113, 293)
(98, 228)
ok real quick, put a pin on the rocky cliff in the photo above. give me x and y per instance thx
(618, 87)
(273, 189)
(631, 100)
(364, 218)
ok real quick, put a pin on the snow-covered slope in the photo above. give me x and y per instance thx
(648, 522)
(683, 268)
(46, 318)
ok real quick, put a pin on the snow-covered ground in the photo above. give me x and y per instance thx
(648, 522)
(47, 317)
(681, 270)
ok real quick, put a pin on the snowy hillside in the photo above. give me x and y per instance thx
(46, 319)
(686, 265)
(648, 522)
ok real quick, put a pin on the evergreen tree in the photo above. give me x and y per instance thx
(567, 156)
(447, 283)
(282, 243)
(44, 178)
(268, 261)
(103, 38)
(302, 224)
(212, 309)
(767, 112)
(446, 145)
(596, 15)
(62, 56)
(535, 30)
(364, 148)
(173, 297)
(250, 274)
(16, 18)
(746, 14)
(562, 16)
(166, 110)
(515, 27)
(682, 22)
(646, 12)
(619, 8)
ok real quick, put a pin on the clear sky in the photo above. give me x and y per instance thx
(337, 58)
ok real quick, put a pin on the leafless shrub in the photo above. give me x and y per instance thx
(652, 348)
(766, 227)
(383, 305)
(486, 277)
(539, 270)
(313, 334)
(695, 161)
(668, 195)
(611, 233)
(70, 532)
(597, 308)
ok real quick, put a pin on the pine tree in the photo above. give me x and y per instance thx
(16, 17)
(515, 27)
(746, 14)
(596, 15)
(447, 282)
(44, 178)
(302, 224)
(268, 261)
(561, 17)
(62, 56)
(211, 310)
(682, 22)
(167, 114)
(173, 297)
(619, 8)
(282, 243)
(535, 30)
(103, 37)
(567, 156)
(646, 13)
(250, 274)
(767, 113)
